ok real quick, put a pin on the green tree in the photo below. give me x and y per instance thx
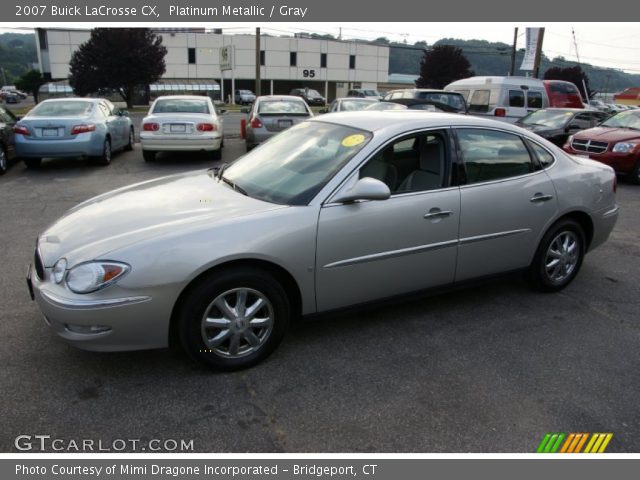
(119, 59)
(30, 82)
(442, 65)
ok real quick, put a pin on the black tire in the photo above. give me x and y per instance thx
(4, 160)
(216, 154)
(634, 176)
(148, 156)
(228, 285)
(131, 141)
(32, 162)
(105, 158)
(249, 147)
(547, 276)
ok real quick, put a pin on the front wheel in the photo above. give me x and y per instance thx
(559, 257)
(634, 176)
(234, 319)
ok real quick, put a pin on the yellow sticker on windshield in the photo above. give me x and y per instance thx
(567, 114)
(353, 140)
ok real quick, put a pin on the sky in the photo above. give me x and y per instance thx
(613, 45)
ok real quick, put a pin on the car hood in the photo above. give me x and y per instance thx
(608, 134)
(142, 211)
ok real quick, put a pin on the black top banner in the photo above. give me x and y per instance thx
(214, 11)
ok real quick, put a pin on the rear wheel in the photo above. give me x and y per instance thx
(234, 319)
(33, 162)
(105, 158)
(559, 257)
(148, 155)
(131, 141)
(4, 160)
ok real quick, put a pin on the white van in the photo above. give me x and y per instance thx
(504, 98)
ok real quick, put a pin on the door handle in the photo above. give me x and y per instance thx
(436, 213)
(539, 197)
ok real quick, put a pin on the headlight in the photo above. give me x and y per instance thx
(91, 276)
(59, 269)
(625, 147)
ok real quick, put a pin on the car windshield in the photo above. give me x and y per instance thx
(245, 92)
(626, 119)
(547, 118)
(371, 93)
(454, 100)
(293, 166)
(313, 93)
(353, 105)
(72, 108)
(181, 105)
(282, 107)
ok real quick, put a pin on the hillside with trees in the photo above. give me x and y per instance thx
(494, 58)
(17, 55)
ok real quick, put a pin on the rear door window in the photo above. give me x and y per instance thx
(493, 155)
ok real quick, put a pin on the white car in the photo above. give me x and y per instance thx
(179, 123)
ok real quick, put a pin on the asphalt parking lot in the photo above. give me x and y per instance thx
(491, 368)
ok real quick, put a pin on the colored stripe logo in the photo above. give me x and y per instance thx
(574, 443)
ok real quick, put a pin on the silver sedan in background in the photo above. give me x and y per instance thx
(343, 209)
(349, 104)
(271, 114)
(73, 127)
(181, 123)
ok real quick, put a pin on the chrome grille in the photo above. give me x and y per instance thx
(37, 261)
(589, 146)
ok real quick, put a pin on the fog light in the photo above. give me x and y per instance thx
(87, 329)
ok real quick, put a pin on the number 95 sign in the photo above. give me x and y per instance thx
(308, 73)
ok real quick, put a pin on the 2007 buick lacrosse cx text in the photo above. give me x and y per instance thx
(340, 210)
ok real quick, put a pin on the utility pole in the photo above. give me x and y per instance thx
(536, 62)
(513, 52)
(258, 61)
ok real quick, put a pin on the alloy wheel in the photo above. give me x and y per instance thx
(562, 256)
(237, 323)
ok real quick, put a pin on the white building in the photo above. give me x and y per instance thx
(330, 66)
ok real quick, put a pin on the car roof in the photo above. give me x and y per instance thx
(279, 97)
(185, 97)
(73, 99)
(358, 99)
(405, 120)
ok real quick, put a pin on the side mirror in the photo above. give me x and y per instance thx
(573, 127)
(366, 188)
(123, 113)
(323, 110)
(222, 110)
(244, 110)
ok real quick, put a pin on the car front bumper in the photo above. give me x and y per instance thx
(101, 323)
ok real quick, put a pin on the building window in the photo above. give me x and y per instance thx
(262, 56)
(323, 60)
(352, 62)
(192, 55)
(42, 39)
(293, 59)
